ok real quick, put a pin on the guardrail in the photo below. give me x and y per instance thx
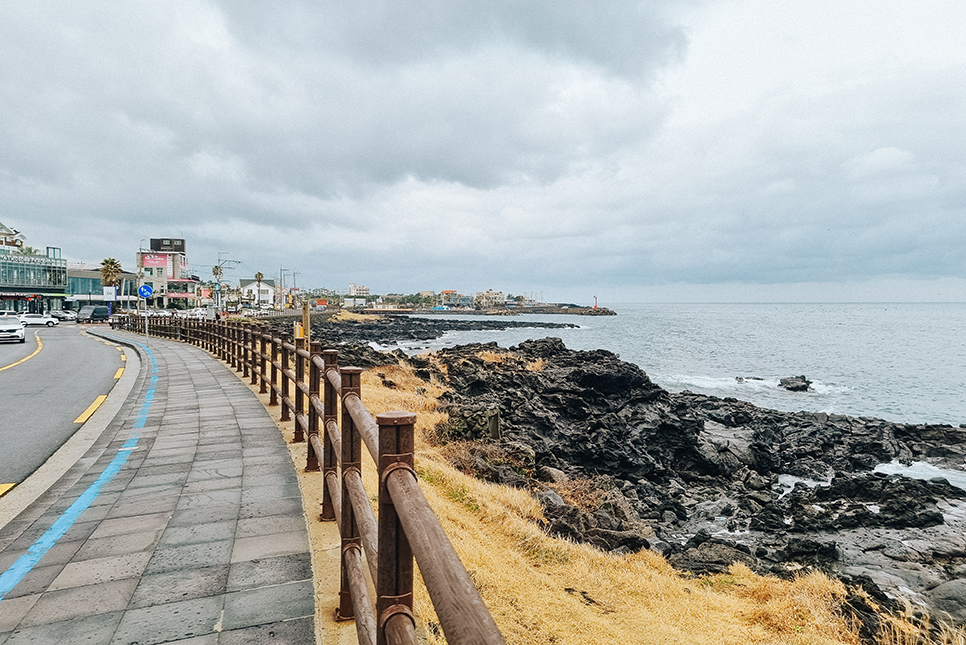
(326, 401)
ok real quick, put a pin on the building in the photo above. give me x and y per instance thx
(358, 290)
(489, 299)
(450, 298)
(11, 239)
(165, 269)
(255, 293)
(30, 281)
(84, 287)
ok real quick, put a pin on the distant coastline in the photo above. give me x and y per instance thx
(572, 310)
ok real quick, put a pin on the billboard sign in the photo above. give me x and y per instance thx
(154, 259)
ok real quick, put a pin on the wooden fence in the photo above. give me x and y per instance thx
(326, 403)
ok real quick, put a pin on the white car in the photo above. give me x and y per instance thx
(38, 319)
(11, 329)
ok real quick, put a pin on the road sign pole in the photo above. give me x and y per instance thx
(145, 292)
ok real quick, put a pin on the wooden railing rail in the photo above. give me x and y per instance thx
(329, 414)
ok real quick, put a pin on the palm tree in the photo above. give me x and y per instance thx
(259, 276)
(110, 270)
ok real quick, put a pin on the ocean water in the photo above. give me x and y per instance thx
(900, 362)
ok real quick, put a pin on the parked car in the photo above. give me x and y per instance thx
(64, 314)
(11, 329)
(198, 313)
(38, 319)
(93, 313)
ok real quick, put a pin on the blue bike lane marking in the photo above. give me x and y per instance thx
(25, 563)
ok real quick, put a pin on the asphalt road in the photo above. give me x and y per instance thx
(42, 397)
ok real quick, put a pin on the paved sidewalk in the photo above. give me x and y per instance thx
(182, 523)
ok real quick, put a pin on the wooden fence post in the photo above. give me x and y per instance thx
(311, 458)
(394, 587)
(235, 344)
(263, 386)
(330, 401)
(273, 355)
(238, 347)
(299, 395)
(222, 340)
(283, 360)
(351, 461)
(251, 368)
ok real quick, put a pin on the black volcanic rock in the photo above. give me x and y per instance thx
(690, 465)
(388, 330)
(704, 480)
(794, 383)
(353, 338)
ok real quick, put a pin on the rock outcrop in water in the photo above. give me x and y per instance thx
(794, 383)
(710, 481)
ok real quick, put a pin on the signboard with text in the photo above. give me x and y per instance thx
(154, 259)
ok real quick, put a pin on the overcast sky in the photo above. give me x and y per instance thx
(659, 150)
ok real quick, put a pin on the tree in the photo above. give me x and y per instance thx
(217, 272)
(110, 271)
(259, 276)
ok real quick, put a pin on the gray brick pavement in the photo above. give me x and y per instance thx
(198, 536)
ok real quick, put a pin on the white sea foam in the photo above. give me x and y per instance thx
(923, 470)
(786, 483)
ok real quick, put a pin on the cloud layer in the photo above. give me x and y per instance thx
(565, 148)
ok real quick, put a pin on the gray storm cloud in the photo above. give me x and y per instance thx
(565, 146)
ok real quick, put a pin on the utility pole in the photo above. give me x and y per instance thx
(218, 271)
(281, 286)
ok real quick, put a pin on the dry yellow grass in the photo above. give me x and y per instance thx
(500, 357)
(347, 316)
(536, 365)
(543, 590)
(547, 590)
(494, 357)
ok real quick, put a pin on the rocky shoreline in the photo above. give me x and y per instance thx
(709, 481)
(390, 330)
(618, 462)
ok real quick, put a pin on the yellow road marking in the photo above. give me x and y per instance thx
(118, 373)
(123, 357)
(90, 410)
(4, 488)
(40, 346)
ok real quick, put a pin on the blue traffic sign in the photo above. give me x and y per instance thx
(145, 291)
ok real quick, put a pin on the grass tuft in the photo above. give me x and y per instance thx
(536, 365)
(490, 356)
(351, 316)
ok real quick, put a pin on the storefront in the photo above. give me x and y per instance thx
(32, 283)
